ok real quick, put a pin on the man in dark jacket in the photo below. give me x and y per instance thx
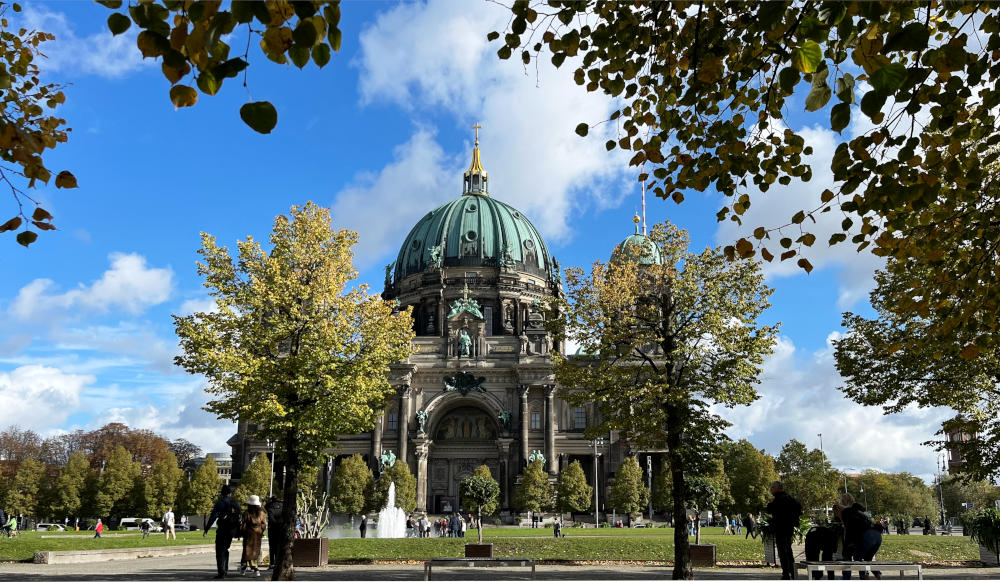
(861, 538)
(785, 513)
(275, 528)
(227, 512)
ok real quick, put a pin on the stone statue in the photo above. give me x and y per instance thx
(465, 304)
(431, 323)
(508, 316)
(388, 274)
(536, 456)
(422, 420)
(506, 258)
(437, 253)
(504, 417)
(525, 344)
(464, 344)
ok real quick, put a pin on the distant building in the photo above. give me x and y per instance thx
(223, 463)
(956, 460)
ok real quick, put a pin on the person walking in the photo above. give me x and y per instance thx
(749, 524)
(168, 524)
(727, 527)
(862, 538)
(556, 528)
(785, 513)
(227, 512)
(276, 534)
(97, 528)
(364, 526)
(252, 527)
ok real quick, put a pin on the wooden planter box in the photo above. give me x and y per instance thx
(702, 554)
(478, 550)
(770, 553)
(310, 552)
(987, 557)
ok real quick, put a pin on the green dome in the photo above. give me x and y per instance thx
(638, 247)
(474, 230)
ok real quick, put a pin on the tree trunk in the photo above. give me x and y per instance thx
(479, 517)
(284, 568)
(682, 551)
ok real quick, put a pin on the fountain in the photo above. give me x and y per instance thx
(391, 519)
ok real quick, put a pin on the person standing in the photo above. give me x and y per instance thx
(275, 528)
(168, 524)
(97, 528)
(785, 512)
(252, 527)
(749, 524)
(424, 526)
(727, 527)
(862, 538)
(364, 526)
(556, 527)
(227, 512)
(409, 526)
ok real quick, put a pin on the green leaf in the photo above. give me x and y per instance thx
(831, 13)
(305, 35)
(913, 37)
(840, 117)
(4, 80)
(820, 93)
(208, 83)
(243, 10)
(872, 102)
(845, 88)
(261, 116)
(299, 55)
(118, 23)
(788, 78)
(183, 96)
(334, 37)
(889, 78)
(321, 55)
(26, 237)
(807, 56)
(582, 129)
(11, 224)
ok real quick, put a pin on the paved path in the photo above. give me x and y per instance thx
(202, 567)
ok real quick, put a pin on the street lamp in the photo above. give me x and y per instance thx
(649, 476)
(943, 459)
(598, 442)
(329, 472)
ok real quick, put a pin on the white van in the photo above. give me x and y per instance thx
(132, 524)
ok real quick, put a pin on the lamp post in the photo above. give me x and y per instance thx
(649, 478)
(942, 460)
(865, 493)
(329, 473)
(598, 442)
(270, 479)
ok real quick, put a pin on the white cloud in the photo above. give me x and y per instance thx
(101, 54)
(434, 55)
(779, 203)
(198, 305)
(800, 399)
(40, 397)
(128, 285)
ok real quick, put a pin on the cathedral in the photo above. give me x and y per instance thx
(479, 387)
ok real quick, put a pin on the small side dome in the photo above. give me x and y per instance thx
(638, 247)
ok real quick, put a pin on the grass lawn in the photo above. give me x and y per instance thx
(24, 546)
(653, 544)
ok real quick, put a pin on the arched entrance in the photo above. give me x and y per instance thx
(463, 437)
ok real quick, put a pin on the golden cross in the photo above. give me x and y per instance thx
(465, 293)
(477, 127)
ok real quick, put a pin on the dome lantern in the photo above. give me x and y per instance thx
(476, 180)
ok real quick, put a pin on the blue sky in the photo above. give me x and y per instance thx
(381, 135)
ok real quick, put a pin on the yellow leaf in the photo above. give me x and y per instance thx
(183, 96)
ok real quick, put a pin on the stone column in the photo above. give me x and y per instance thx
(404, 423)
(525, 421)
(422, 454)
(504, 477)
(377, 440)
(550, 430)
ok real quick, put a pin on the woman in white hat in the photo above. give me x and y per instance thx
(252, 527)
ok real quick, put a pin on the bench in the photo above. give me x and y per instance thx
(479, 563)
(848, 566)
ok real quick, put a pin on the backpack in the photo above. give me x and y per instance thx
(229, 520)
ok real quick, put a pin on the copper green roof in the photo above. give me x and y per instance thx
(474, 231)
(638, 247)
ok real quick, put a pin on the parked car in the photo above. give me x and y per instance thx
(185, 527)
(132, 524)
(49, 526)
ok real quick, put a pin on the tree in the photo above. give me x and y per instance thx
(25, 492)
(184, 450)
(702, 495)
(350, 487)
(534, 492)
(199, 494)
(164, 485)
(807, 476)
(406, 487)
(670, 338)
(751, 472)
(628, 493)
(703, 101)
(256, 480)
(572, 492)
(289, 348)
(896, 360)
(480, 493)
(71, 485)
(961, 496)
(16, 445)
(116, 482)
